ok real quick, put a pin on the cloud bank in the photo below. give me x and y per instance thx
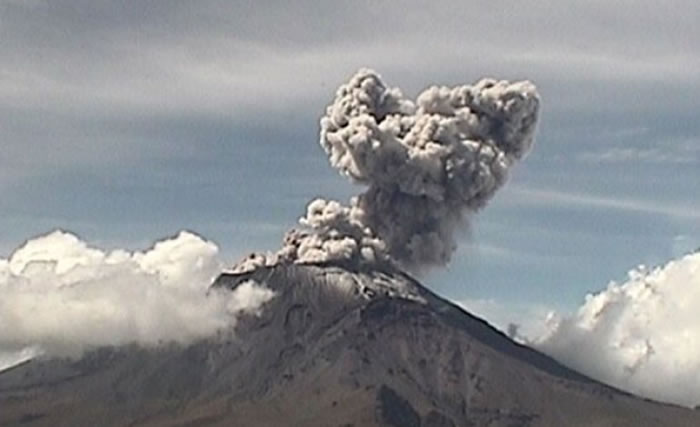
(642, 336)
(427, 164)
(61, 297)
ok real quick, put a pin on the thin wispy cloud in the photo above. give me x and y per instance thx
(570, 199)
(508, 256)
(685, 151)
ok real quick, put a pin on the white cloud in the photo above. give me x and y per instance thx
(62, 296)
(249, 297)
(642, 336)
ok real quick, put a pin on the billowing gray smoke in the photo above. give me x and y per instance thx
(427, 164)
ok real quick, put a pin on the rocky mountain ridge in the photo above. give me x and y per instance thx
(336, 346)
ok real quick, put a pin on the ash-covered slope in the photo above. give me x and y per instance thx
(336, 346)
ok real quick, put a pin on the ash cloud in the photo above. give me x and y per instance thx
(427, 164)
(61, 296)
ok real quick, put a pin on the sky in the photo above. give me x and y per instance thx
(124, 123)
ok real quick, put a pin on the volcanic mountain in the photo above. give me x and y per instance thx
(338, 345)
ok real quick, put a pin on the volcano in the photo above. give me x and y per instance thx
(338, 345)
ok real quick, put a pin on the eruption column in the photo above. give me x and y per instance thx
(427, 164)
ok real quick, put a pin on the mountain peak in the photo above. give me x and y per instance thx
(337, 345)
(363, 282)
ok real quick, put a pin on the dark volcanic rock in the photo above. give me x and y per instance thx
(394, 410)
(335, 347)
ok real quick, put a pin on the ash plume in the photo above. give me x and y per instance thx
(428, 165)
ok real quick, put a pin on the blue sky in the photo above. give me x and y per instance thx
(125, 124)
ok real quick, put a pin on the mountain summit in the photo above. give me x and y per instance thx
(336, 346)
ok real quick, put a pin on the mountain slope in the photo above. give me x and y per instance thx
(337, 346)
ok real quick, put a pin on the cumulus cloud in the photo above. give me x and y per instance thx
(427, 164)
(642, 335)
(61, 296)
